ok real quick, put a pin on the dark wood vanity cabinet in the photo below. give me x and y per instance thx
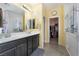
(29, 44)
(21, 50)
(20, 47)
(10, 52)
(35, 42)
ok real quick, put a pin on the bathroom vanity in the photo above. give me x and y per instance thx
(19, 44)
(14, 42)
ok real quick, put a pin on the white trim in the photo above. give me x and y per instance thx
(68, 51)
(43, 32)
(49, 27)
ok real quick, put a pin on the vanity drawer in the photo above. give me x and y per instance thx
(11, 44)
(7, 45)
(20, 41)
(10, 52)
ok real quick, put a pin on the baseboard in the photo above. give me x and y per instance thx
(46, 41)
(40, 48)
(68, 52)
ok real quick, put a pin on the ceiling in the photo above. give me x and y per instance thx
(51, 5)
(45, 5)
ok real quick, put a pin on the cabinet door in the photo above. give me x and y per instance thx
(21, 50)
(35, 42)
(6, 46)
(10, 52)
(29, 51)
(29, 45)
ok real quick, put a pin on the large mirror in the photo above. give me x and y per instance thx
(12, 21)
(0, 17)
(31, 24)
(1, 21)
(11, 17)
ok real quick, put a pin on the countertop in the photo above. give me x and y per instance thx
(15, 36)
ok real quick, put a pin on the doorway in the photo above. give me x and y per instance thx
(53, 30)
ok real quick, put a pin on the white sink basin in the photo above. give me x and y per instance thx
(7, 35)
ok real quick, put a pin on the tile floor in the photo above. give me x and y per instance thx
(51, 49)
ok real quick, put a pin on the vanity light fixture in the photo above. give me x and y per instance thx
(25, 8)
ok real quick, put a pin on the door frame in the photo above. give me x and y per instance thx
(49, 27)
(44, 20)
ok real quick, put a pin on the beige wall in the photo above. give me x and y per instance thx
(60, 14)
